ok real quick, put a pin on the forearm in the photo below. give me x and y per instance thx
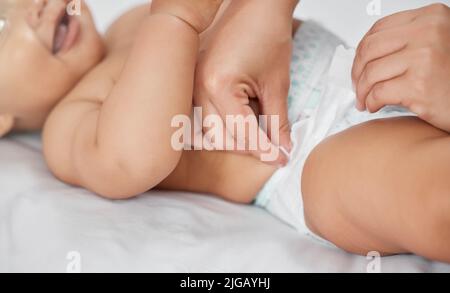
(156, 84)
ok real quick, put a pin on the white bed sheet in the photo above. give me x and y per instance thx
(42, 220)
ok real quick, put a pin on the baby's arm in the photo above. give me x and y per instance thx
(120, 147)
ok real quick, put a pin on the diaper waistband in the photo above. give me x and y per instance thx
(313, 50)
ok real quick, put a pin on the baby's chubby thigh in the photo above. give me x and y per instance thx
(334, 209)
(358, 193)
(325, 211)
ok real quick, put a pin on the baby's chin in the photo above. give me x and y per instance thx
(88, 49)
(87, 13)
(31, 121)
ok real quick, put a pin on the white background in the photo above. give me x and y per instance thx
(347, 18)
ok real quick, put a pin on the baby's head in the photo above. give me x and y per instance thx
(43, 54)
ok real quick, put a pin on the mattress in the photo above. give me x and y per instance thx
(48, 226)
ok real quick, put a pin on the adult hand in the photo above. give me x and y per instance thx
(405, 60)
(248, 56)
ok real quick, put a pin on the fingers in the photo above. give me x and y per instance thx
(242, 125)
(211, 141)
(404, 17)
(377, 46)
(387, 36)
(230, 101)
(380, 70)
(390, 92)
(394, 20)
(274, 105)
(238, 115)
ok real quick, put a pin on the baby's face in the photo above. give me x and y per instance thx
(43, 54)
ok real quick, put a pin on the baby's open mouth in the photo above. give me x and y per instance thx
(66, 32)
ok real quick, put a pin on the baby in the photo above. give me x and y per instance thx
(360, 188)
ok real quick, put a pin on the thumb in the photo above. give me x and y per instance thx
(390, 92)
(253, 138)
(274, 105)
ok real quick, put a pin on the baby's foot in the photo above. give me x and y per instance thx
(198, 13)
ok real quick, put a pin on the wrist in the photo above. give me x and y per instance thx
(197, 14)
(177, 16)
(280, 13)
(285, 8)
(176, 20)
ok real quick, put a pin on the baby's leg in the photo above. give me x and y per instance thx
(382, 186)
(233, 177)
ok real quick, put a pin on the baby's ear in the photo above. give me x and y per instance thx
(6, 124)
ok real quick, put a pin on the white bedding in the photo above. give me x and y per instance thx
(42, 220)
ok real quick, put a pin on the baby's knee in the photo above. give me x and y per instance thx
(331, 215)
(440, 247)
(434, 243)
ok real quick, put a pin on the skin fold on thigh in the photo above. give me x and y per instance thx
(382, 186)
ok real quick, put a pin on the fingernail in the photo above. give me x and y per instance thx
(359, 106)
(282, 165)
(286, 148)
(284, 159)
(285, 152)
(364, 108)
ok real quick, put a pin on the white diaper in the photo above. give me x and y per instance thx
(321, 103)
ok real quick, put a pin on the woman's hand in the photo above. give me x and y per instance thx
(405, 60)
(248, 56)
(197, 13)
